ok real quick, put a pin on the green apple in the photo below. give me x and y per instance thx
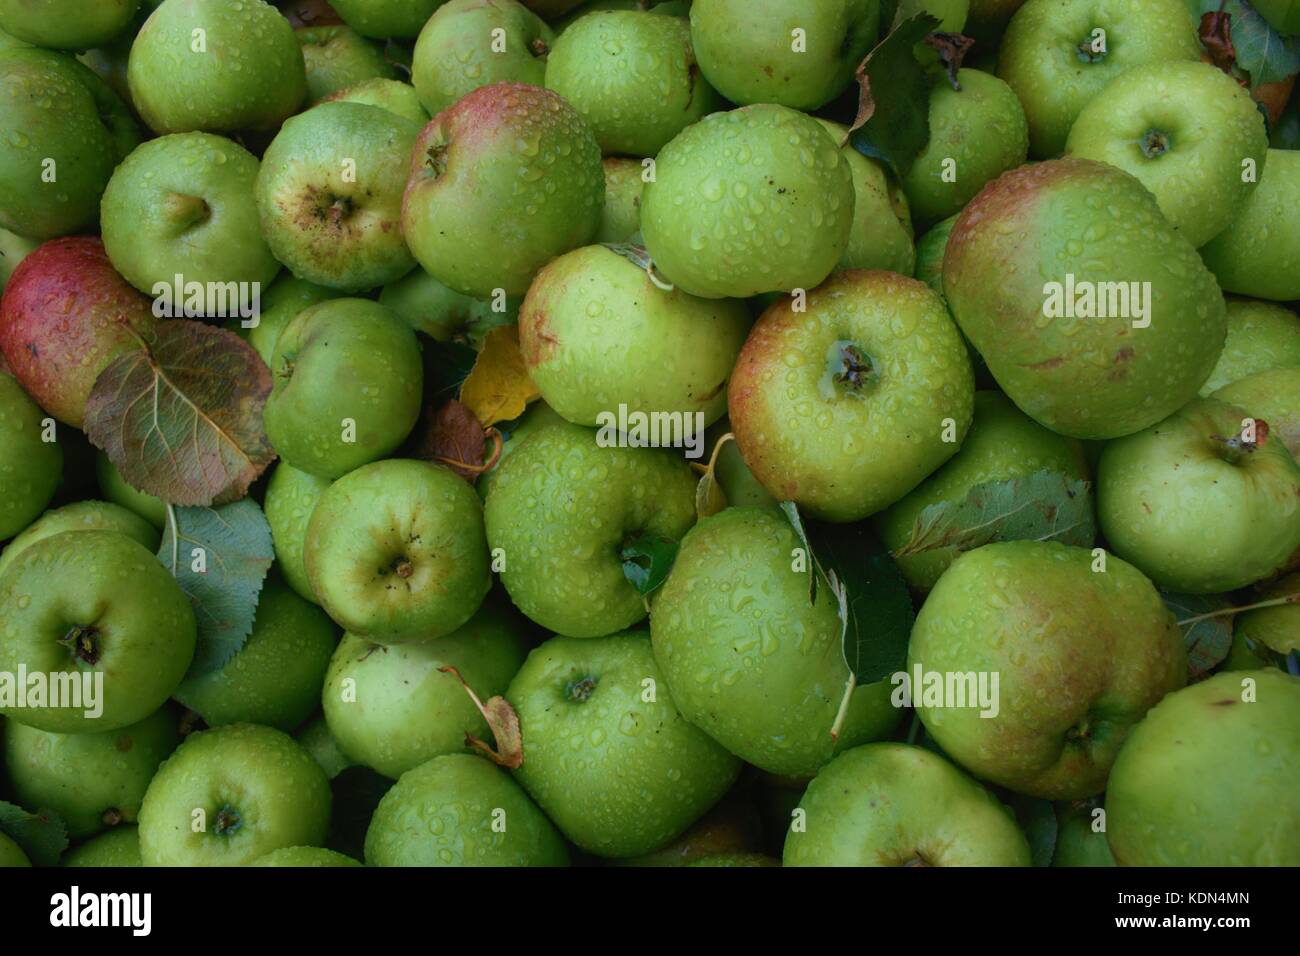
(621, 219)
(642, 774)
(91, 780)
(61, 133)
(753, 200)
(1272, 396)
(231, 795)
(1197, 507)
(537, 416)
(1078, 841)
(598, 335)
(215, 66)
(1079, 654)
(395, 551)
(118, 847)
(845, 402)
(276, 677)
(98, 616)
(1207, 778)
(182, 205)
(738, 484)
(633, 77)
(330, 192)
(929, 253)
(735, 859)
(1003, 443)
(392, 95)
(393, 708)
(304, 856)
(471, 43)
(82, 516)
(336, 58)
(747, 658)
(1282, 15)
(347, 386)
(1261, 336)
(518, 171)
(31, 468)
(280, 304)
(1093, 313)
(15, 248)
(732, 826)
(881, 237)
(1185, 130)
(460, 810)
(1259, 254)
(1271, 634)
(1059, 54)
(66, 24)
(116, 490)
(386, 18)
(977, 133)
(894, 804)
(11, 854)
(798, 53)
(316, 739)
(562, 508)
(291, 496)
(444, 314)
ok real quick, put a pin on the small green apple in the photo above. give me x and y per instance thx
(844, 402)
(732, 826)
(280, 305)
(316, 739)
(118, 847)
(444, 314)
(1259, 254)
(291, 496)
(393, 708)
(1207, 779)
(31, 468)
(252, 789)
(642, 775)
(383, 19)
(1079, 654)
(11, 854)
(1261, 336)
(1081, 835)
(1271, 634)
(304, 857)
(91, 780)
(215, 66)
(894, 804)
(336, 58)
(115, 489)
(347, 386)
(67, 24)
(471, 43)
(460, 810)
(395, 551)
(15, 248)
(929, 254)
(561, 509)
(881, 237)
(621, 219)
(1199, 508)
(776, 217)
(82, 516)
(1272, 396)
(392, 95)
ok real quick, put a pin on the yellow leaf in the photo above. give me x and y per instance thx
(498, 387)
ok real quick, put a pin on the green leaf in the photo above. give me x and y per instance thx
(220, 557)
(446, 366)
(893, 123)
(647, 559)
(1207, 640)
(1037, 817)
(41, 835)
(1261, 51)
(1044, 506)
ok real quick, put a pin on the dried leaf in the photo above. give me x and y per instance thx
(499, 388)
(454, 437)
(952, 49)
(709, 496)
(41, 835)
(1207, 638)
(501, 720)
(182, 417)
(1242, 35)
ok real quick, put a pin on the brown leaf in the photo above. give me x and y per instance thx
(309, 13)
(952, 48)
(498, 387)
(1216, 37)
(709, 496)
(453, 436)
(501, 720)
(181, 418)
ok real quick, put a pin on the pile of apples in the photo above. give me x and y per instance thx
(728, 432)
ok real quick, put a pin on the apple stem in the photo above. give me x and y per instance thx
(1224, 612)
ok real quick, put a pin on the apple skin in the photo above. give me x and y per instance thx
(1195, 515)
(596, 333)
(259, 792)
(91, 780)
(1003, 443)
(345, 359)
(11, 854)
(892, 804)
(249, 77)
(117, 847)
(333, 223)
(183, 205)
(1207, 778)
(392, 95)
(765, 681)
(981, 128)
(454, 54)
(1261, 336)
(735, 859)
(842, 407)
(441, 814)
(732, 826)
(15, 248)
(111, 593)
(745, 52)
(395, 551)
(561, 507)
(444, 314)
(81, 516)
(66, 314)
(1081, 655)
(1077, 844)
(400, 710)
(67, 24)
(537, 416)
(1259, 254)
(291, 496)
(643, 774)
(276, 677)
(281, 303)
(518, 170)
(30, 468)
(621, 219)
(881, 237)
(1083, 377)
(929, 255)
(1272, 396)
(1039, 57)
(315, 738)
(640, 97)
(304, 857)
(337, 58)
(115, 489)
(1184, 130)
(699, 215)
(57, 110)
(383, 19)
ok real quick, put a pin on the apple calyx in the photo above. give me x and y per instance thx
(403, 568)
(184, 211)
(849, 370)
(83, 642)
(1236, 448)
(1087, 50)
(539, 48)
(1155, 143)
(436, 162)
(227, 821)
(112, 817)
(580, 691)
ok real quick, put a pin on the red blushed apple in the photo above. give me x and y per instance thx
(65, 315)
